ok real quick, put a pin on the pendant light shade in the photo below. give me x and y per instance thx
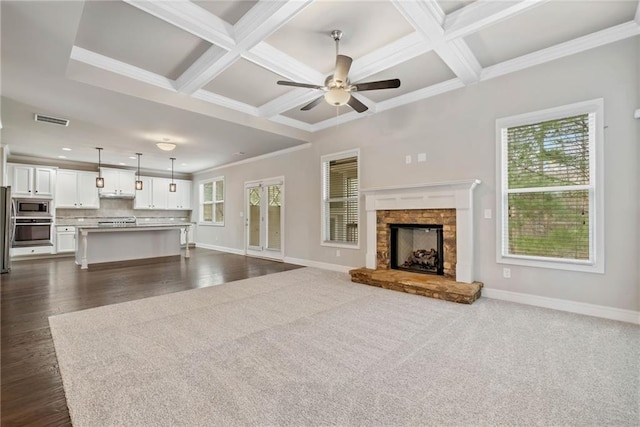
(138, 181)
(99, 179)
(172, 186)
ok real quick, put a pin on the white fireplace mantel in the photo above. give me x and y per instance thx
(456, 195)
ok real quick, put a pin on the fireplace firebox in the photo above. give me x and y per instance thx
(417, 247)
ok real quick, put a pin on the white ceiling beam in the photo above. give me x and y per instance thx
(637, 18)
(214, 61)
(590, 41)
(481, 14)
(191, 18)
(257, 24)
(288, 101)
(118, 67)
(223, 101)
(267, 56)
(428, 19)
(288, 121)
(397, 52)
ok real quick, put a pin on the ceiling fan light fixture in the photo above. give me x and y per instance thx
(337, 96)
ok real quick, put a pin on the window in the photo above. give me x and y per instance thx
(550, 173)
(340, 194)
(212, 201)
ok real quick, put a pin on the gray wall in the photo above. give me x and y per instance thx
(457, 131)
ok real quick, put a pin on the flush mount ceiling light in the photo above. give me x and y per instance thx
(165, 146)
(138, 181)
(99, 179)
(172, 186)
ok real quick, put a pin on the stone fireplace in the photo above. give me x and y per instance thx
(449, 204)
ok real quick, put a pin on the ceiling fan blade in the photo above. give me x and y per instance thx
(382, 84)
(357, 105)
(295, 84)
(313, 103)
(343, 64)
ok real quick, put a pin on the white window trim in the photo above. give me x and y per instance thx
(323, 231)
(201, 201)
(596, 159)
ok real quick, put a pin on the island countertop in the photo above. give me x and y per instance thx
(102, 244)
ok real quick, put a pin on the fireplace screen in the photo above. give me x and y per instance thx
(417, 247)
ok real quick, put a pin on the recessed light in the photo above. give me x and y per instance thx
(183, 164)
(132, 157)
(66, 149)
(122, 164)
(168, 169)
(62, 157)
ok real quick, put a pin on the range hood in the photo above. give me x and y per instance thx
(116, 195)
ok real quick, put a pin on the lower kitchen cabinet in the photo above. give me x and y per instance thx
(65, 239)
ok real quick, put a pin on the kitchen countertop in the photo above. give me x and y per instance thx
(134, 226)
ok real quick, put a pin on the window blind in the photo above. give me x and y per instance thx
(548, 192)
(340, 196)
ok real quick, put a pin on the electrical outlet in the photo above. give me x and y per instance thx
(487, 214)
(407, 158)
(337, 252)
(506, 273)
(241, 214)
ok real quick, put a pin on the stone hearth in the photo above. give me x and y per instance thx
(420, 284)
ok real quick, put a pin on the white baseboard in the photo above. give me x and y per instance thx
(220, 248)
(602, 311)
(318, 264)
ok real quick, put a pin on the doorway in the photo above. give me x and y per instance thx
(265, 218)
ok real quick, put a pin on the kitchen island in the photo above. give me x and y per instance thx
(99, 244)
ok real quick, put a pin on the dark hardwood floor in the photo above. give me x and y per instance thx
(32, 392)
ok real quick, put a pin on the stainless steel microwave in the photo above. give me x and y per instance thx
(31, 207)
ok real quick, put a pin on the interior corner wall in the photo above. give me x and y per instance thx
(456, 130)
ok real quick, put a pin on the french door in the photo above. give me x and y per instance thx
(265, 218)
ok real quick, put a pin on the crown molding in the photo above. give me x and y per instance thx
(256, 158)
(191, 18)
(590, 41)
(113, 65)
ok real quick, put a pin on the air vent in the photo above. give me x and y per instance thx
(52, 120)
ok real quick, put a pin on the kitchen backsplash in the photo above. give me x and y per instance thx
(120, 208)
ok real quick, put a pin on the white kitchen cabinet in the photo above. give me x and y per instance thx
(65, 239)
(32, 181)
(153, 194)
(181, 199)
(118, 182)
(77, 189)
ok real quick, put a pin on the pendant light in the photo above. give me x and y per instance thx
(99, 179)
(172, 186)
(138, 181)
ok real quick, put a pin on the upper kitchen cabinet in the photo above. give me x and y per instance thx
(32, 181)
(118, 183)
(77, 189)
(181, 198)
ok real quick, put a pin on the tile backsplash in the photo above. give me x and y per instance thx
(120, 208)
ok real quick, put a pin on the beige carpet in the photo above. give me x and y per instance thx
(308, 347)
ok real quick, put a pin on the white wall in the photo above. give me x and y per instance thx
(456, 131)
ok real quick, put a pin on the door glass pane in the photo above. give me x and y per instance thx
(254, 216)
(273, 216)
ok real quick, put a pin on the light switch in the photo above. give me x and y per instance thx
(241, 214)
(407, 159)
(422, 157)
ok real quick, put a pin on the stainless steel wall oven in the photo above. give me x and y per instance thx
(32, 231)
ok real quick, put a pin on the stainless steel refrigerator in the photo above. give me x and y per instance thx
(5, 228)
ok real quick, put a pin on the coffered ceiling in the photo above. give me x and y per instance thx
(206, 71)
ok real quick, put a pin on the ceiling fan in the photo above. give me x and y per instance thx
(337, 86)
